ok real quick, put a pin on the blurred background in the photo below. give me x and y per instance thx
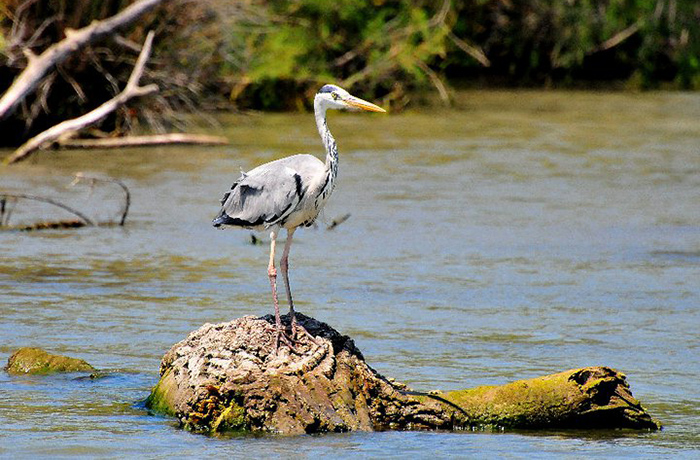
(273, 55)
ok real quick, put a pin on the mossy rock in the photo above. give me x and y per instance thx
(36, 361)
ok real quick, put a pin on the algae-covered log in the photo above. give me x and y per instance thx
(592, 397)
(228, 376)
(29, 360)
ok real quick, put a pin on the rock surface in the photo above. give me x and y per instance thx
(228, 377)
(29, 360)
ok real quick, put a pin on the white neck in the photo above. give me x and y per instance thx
(326, 136)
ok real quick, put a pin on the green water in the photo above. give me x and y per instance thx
(520, 234)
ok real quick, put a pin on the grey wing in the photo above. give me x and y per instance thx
(261, 198)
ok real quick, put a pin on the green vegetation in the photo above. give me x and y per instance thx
(382, 47)
(392, 48)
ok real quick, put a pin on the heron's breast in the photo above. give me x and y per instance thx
(309, 207)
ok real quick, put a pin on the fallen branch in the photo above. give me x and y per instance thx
(143, 141)
(49, 225)
(38, 66)
(12, 198)
(83, 217)
(62, 129)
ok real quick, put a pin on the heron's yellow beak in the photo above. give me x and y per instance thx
(356, 102)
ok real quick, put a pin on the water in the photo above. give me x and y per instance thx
(523, 234)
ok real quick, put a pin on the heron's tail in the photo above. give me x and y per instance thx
(221, 219)
(225, 219)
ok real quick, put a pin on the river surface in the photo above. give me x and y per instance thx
(521, 234)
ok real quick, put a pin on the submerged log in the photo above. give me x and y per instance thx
(228, 376)
(45, 225)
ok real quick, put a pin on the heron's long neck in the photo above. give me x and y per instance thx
(328, 142)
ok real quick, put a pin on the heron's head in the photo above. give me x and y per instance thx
(335, 97)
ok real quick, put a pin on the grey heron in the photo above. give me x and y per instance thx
(289, 193)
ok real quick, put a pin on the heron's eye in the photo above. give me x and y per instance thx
(335, 96)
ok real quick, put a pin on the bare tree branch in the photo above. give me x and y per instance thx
(127, 194)
(131, 90)
(75, 40)
(618, 37)
(471, 50)
(435, 79)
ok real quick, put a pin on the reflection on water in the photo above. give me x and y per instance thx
(524, 233)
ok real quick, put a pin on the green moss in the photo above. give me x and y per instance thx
(160, 401)
(232, 418)
(36, 361)
(533, 402)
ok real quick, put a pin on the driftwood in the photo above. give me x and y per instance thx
(67, 127)
(143, 141)
(4, 218)
(39, 66)
(8, 200)
(47, 225)
(229, 377)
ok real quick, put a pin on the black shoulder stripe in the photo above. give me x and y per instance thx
(325, 183)
(300, 189)
(226, 195)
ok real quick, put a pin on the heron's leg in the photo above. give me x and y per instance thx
(272, 274)
(284, 265)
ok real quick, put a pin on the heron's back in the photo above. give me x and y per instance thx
(280, 193)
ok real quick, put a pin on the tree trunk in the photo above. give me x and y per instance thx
(228, 376)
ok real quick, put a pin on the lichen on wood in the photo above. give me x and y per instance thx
(228, 376)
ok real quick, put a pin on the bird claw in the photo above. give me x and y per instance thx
(282, 336)
(296, 328)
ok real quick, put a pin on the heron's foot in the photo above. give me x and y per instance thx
(298, 330)
(280, 334)
(293, 336)
(290, 339)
